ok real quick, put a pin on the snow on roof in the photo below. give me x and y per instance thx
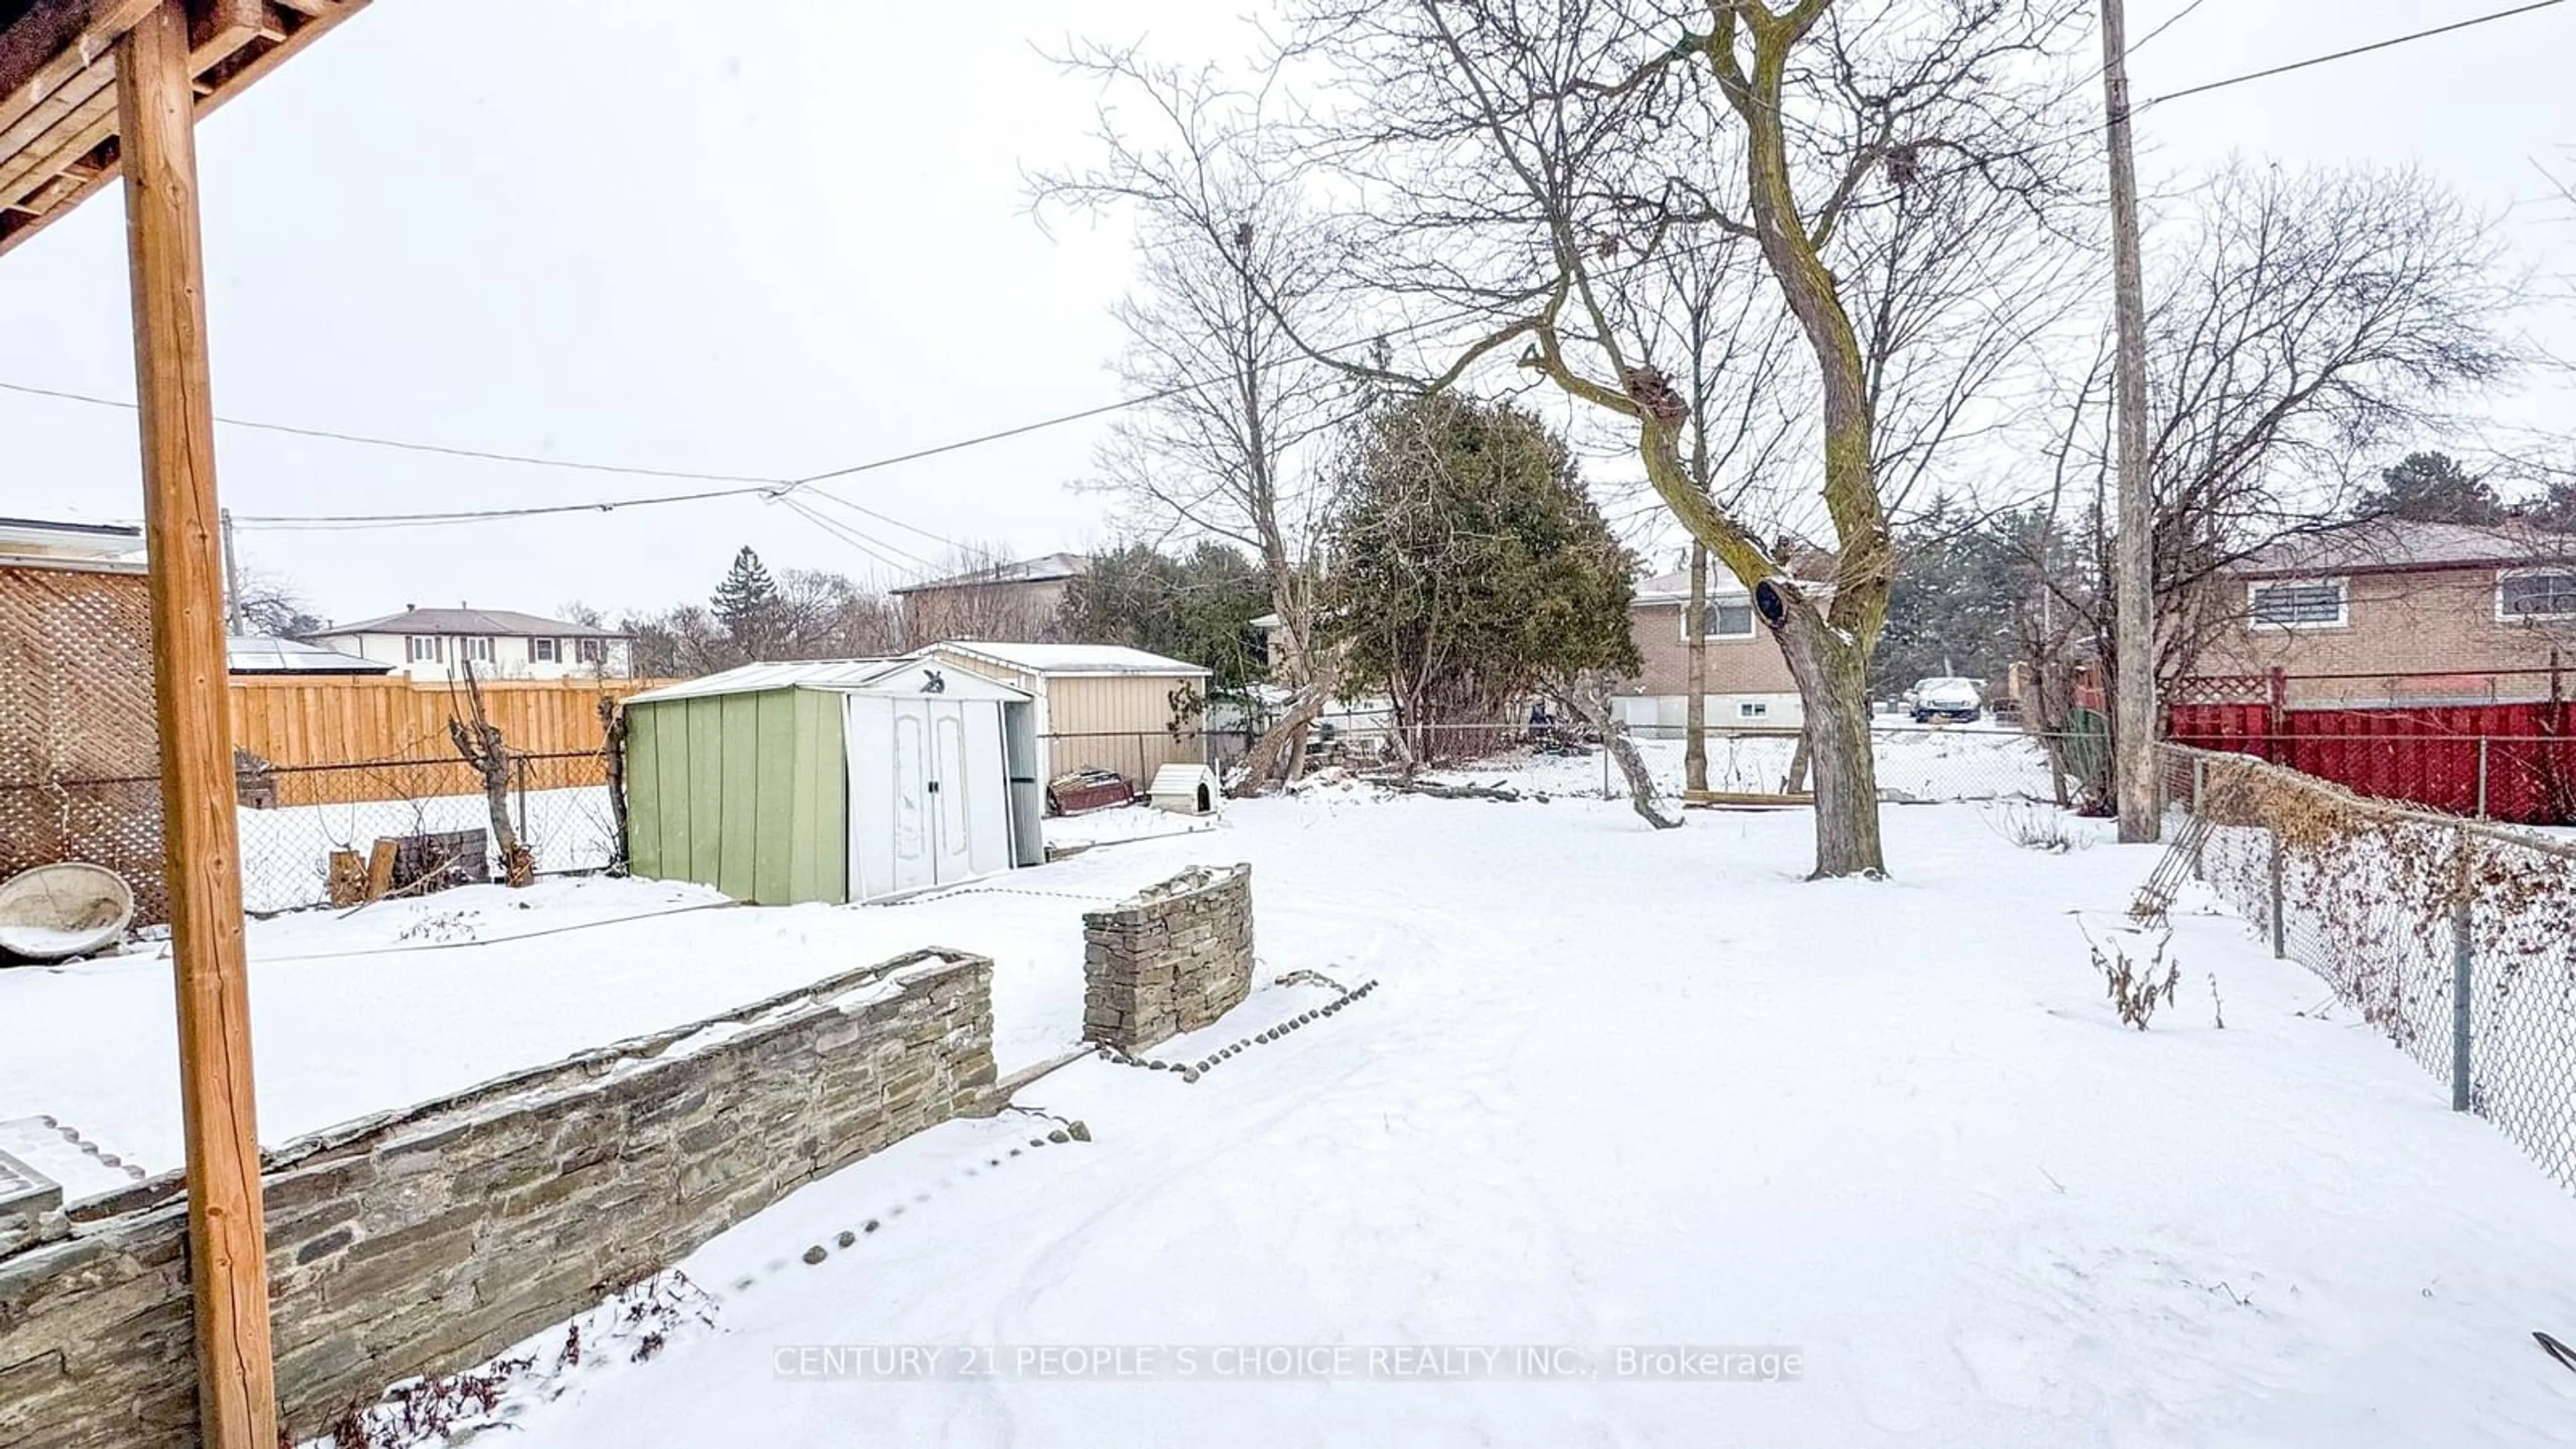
(848, 676)
(1674, 587)
(1047, 568)
(2397, 544)
(1068, 658)
(70, 538)
(249, 654)
(506, 623)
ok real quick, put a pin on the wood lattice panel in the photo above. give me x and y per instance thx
(79, 753)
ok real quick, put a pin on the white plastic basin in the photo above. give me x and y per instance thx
(70, 909)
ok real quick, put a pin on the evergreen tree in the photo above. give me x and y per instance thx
(2431, 488)
(1959, 581)
(1469, 568)
(2555, 511)
(1197, 607)
(746, 603)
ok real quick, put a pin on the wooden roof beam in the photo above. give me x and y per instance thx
(57, 72)
(56, 41)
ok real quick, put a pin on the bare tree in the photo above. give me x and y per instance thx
(2302, 324)
(480, 742)
(1231, 261)
(982, 595)
(273, 607)
(1525, 159)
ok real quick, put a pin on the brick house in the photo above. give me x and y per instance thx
(2393, 611)
(1013, 601)
(1749, 684)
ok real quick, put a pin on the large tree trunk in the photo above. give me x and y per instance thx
(1833, 678)
(1695, 712)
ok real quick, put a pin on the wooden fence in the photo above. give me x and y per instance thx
(340, 720)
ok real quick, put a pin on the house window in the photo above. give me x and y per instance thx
(1752, 709)
(545, 651)
(2302, 604)
(418, 648)
(591, 651)
(1727, 619)
(476, 648)
(2536, 594)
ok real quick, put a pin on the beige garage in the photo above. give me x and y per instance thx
(1099, 706)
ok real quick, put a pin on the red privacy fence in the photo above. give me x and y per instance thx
(2500, 760)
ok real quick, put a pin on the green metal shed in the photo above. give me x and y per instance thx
(834, 780)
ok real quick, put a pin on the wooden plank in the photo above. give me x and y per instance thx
(56, 41)
(1744, 799)
(66, 141)
(739, 766)
(774, 814)
(18, 133)
(227, 1257)
(220, 27)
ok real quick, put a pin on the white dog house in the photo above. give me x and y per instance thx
(1186, 790)
(838, 780)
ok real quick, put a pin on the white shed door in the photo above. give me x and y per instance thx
(929, 794)
(915, 824)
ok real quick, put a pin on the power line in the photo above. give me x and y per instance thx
(776, 488)
(2376, 45)
(2095, 128)
(404, 444)
(2178, 18)
(781, 488)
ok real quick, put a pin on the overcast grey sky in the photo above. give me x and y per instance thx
(774, 238)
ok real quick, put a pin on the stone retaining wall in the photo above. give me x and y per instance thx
(1173, 959)
(425, 1241)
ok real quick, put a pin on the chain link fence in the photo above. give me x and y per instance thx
(2524, 779)
(1916, 763)
(2454, 938)
(292, 817)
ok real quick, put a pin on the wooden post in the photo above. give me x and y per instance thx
(1695, 710)
(227, 1259)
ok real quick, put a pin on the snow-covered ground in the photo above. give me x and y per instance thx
(1617, 1088)
(1138, 821)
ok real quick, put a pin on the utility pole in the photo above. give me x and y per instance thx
(232, 579)
(2133, 711)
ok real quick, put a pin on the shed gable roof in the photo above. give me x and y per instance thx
(1067, 658)
(841, 676)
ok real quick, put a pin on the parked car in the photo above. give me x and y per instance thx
(1948, 699)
